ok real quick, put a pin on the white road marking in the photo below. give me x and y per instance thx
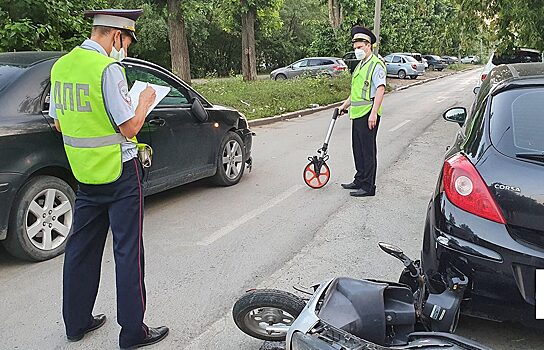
(248, 216)
(400, 125)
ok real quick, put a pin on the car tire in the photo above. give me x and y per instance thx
(413, 76)
(34, 232)
(280, 77)
(431, 67)
(440, 70)
(230, 160)
(471, 62)
(401, 74)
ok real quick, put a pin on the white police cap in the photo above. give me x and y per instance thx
(121, 19)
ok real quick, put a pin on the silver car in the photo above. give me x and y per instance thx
(404, 66)
(312, 66)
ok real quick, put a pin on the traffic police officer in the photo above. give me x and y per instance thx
(365, 103)
(92, 108)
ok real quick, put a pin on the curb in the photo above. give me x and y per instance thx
(291, 115)
(430, 79)
(304, 112)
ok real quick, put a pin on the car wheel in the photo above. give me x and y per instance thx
(280, 77)
(471, 62)
(41, 219)
(401, 74)
(230, 160)
(431, 67)
(413, 76)
(440, 70)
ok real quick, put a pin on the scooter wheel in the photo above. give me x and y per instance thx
(259, 309)
(312, 179)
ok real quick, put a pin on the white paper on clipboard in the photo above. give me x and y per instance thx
(139, 86)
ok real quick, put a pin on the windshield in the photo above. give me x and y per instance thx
(8, 73)
(517, 122)
(519, 56)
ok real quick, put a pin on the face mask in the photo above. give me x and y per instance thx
(118, 55)
(360, 54)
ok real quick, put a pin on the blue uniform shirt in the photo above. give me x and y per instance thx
(116, 98)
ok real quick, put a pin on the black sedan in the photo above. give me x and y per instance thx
(487, 213)
(435, 62)
(36, 185)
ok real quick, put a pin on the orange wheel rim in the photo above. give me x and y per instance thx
(312, 179)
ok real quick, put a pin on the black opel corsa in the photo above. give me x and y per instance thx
(191, 139)
(487, 213)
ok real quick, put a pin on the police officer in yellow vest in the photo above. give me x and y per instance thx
(365, 103)
(98, 121)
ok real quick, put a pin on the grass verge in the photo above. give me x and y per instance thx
(267, 98)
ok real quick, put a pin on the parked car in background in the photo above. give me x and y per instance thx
(312, 66)
(470, 59)
(521, 55)
(351, 61)
(403, 66)
(486, 214)
(435, 62)
(450, 59)
(191, 138)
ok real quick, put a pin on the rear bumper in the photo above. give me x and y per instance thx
(501, 270)
(9, 185)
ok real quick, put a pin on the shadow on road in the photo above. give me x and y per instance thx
(500, 335)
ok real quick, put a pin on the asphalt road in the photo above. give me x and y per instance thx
(205, 245)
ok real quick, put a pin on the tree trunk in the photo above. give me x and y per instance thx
(335, 13)
(181, 65)
(249, 60)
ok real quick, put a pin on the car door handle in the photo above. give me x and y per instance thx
(157, 121)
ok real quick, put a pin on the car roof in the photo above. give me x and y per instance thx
(507, 76)
(28, 58)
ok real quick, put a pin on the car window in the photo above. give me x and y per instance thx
(300, 64)
(397, 59)
(8, 74)
(516, 124)
(176, 96)
(388, 58)
(349, 56)
(410, 59)
(519, 56)
(319, 62)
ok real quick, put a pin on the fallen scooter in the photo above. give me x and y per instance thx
(349, 314)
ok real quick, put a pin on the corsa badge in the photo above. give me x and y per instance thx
(503, 187)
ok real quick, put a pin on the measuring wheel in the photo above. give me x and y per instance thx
(316, 176)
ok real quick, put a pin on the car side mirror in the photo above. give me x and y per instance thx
(476, 90)
(198, 110)
(456, 114)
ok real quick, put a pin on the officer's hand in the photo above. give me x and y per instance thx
(342, 111)
(372, 121)
(147, 97)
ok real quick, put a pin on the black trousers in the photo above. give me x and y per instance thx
(119, 205)
(363, 141)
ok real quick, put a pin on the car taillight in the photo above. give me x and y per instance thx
(466, 189)
(338, 67)
(484, 75)
(414, 66)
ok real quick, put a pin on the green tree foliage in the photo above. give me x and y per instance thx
(514, 23)
(44, 25)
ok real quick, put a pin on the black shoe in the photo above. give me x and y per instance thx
(362, 193)
(350, 186)
(154, 335)
(98, 321)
